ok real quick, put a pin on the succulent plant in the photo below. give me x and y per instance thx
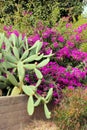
(18, 58)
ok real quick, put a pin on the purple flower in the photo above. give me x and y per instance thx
(70, 44)
(61, 39)
(77, 37)
(27, 78)
(78, 73)
(45, 44)
(63, 52)
(78, 55)
(55, 44)
(2, 60)
(9, 28)
(13, 32)
(3, 46)
(16, 33)
(80, 29)
(48, 51)
(47, 33)
(30, 13)
(70, 87)
(68, 25)
(33, 39)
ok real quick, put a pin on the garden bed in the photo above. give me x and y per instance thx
(13, 113)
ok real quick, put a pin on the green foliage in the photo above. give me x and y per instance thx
(28, 14)
(83, 47)
(70, 7)
(20, 58)
(71, 114)
(80, 21)
(30, 106)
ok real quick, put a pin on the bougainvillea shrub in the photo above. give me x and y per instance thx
(68, 65)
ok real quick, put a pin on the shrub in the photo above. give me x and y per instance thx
(67, 68)
(17, 12)
(22, 14)
(71, 114)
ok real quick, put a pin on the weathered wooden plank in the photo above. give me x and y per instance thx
(7, 100)
(13, 113)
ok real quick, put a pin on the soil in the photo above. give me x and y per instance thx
(41, 125)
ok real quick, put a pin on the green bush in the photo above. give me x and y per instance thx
(49, 11)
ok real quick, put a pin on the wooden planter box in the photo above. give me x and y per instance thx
(13, 113)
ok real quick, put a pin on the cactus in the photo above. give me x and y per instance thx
(19, 58)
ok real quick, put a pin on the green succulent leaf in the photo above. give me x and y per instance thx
(20, 38)
(43, 63)
(30, 58)
(13, 38)
(1, 39)
(12, 79)
(39, 45)
(26, 42)
(15, 91)
(37, 102)
(38, 74)
(49, 94)
(7, 44)
(10, 58)
(32, 52)
(29, 66)
(29, 90)
(48, 56)
(10, 65)
(3, 66)
(2, 85)
(2, 78)
(16, 52)
(35, 45)
(21, 71)
(30, 105)
(25, 54)
(38, 82)
(47, 112)
(39, 57)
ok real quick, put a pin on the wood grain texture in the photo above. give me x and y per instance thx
(13, 113)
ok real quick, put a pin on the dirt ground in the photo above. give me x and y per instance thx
(41, 125)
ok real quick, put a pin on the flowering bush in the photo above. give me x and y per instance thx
(68, 66)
